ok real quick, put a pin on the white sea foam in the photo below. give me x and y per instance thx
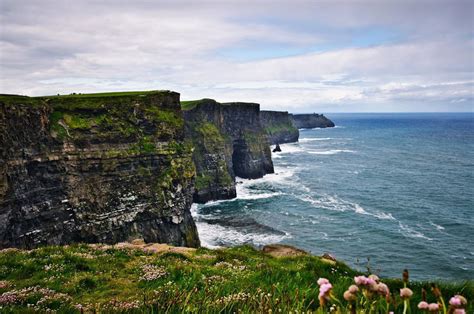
(212, 236)
(290, 148)
(312, 139)
(330, 152)
(410, 232)
(438, 227)
(337, 204)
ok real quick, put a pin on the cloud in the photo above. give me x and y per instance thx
(310, 54)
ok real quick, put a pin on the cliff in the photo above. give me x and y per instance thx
(312, 120)
(213, 149)
(95, 168)
(229, 141)
(279, 126)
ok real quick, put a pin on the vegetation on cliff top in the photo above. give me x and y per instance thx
(103, 279)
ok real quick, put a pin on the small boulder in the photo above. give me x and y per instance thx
(277, 148)
(281, 250)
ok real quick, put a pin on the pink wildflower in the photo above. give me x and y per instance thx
(324, 290)
(433, 307)
(459, 311)
(360, 280)
(455, 301)
(383, 289)
(322, 281)
(348, 296)
(353, 289)
(423, 305)
(406, 293)
(374, 278)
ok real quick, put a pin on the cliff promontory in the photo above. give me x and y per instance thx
(312, 120)
(279, 126)
(95, 168)
(229, 141)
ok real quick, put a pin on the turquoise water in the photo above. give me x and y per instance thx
(397, 189)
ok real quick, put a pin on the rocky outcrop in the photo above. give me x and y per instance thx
(312, 120)
(229, 141)
(279, 126)
(95, 168)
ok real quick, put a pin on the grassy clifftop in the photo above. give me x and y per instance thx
(157, 278)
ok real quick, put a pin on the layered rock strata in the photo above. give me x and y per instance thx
(229, 141)
(95, 168)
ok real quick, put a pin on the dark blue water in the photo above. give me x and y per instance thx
(395, 188)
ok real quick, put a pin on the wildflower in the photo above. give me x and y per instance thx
(322, 281)
(406, 293)
(433, 307)
(458, 301)
(455, 301)
(360, 280)
(423, 305)
(383, 289)
(4, 284)
(459, 311)
(324, 290)
(152, 272)
(348, 296)
(374, 278)
(353, 289)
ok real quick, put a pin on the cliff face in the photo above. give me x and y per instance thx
(312, 120)
(229, 141)
(95, 168)
(215, 178)
(279, 126)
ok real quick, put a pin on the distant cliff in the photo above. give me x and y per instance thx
(312, 120)
(279, 126)
(95, 168)
(229, 141)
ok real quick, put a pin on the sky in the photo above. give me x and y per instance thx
(297, 56)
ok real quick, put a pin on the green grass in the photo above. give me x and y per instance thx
(211, 281)
(191, 104)
(106, 94)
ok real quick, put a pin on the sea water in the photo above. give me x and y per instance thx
(384, 191)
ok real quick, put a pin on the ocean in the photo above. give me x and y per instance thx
(384, 191)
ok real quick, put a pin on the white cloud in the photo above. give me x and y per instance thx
(57, 46)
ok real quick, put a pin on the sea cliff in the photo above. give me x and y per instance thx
(95, 168)
(229, 141)
(279, 126)
(312, 120)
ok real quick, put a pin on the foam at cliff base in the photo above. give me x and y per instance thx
(215, 235)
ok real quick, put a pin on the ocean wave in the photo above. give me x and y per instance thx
(438, 227)
(336, 204)
(331, 152)
(410, 232)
